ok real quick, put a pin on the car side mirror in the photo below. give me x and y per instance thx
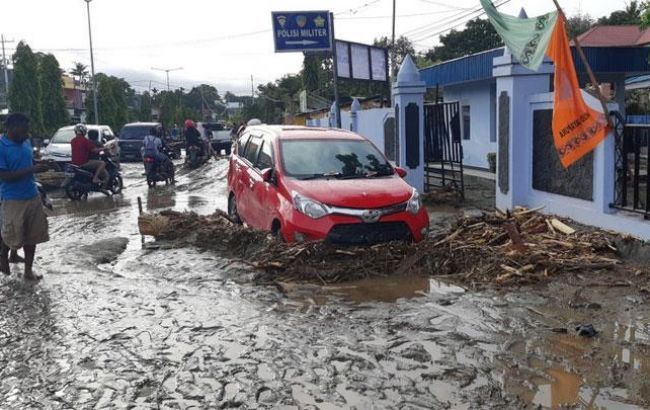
(46, 143)
(267, 175)
(401, 172)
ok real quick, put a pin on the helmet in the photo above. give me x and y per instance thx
(80, 129)
(189, 124)
(254, 121)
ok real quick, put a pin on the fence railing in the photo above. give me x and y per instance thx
(632, 176)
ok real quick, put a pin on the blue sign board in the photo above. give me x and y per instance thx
(297, 31)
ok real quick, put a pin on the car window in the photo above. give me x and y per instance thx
(137, 132)
(265, 159)
(252, 149)
(306, 158)
(241, 145)
(63, 136)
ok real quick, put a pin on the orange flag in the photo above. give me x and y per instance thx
(577, 128)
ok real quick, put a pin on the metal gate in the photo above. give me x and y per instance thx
(443, 150)
(632, 176)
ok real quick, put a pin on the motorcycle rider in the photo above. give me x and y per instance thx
(82, 149)
(193, 136)
(153, 146)
(93, 136)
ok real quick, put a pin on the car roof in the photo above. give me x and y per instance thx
(142, 124)
(89, 126)
(296, 132)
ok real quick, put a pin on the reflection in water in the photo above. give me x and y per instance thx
(620, 353)
(160, 198)
(388, 289)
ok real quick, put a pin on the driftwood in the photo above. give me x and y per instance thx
(513, 248)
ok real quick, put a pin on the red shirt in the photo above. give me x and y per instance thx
(82, 147)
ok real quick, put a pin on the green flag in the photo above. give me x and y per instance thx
(527, 39)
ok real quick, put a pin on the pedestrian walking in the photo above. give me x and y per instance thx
(24, 223)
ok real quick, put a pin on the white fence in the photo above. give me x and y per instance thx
(371, 124)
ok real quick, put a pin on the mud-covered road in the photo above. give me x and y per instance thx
(119, 324)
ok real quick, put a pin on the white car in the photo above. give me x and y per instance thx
(58, 148)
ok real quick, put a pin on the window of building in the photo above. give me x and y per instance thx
(466, 122)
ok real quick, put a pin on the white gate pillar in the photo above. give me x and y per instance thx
(408, 99)
(515, 85)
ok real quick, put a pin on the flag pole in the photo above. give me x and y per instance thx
(590, 73)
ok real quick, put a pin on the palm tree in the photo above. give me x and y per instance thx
(79, 71)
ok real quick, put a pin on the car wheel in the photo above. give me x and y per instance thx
(232, 210)
(151, 183)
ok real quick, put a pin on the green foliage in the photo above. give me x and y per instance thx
(311, 72)
(478, 35)
(403, 47)
(113, 97)
(579, 24)
(630, 16)
(53, 110)
(80, 72)
(144, 113)
(24, 92)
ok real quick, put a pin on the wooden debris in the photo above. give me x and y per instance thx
(562, 227)
(501, 248)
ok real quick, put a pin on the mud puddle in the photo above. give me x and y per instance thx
(180, 328)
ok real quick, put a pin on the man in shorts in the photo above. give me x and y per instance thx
(24, 224)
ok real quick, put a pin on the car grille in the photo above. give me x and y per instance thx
(364, 233)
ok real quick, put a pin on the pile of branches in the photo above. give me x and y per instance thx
(514, 248)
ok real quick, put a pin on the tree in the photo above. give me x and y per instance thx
(630, 16)
(113, 96)
(403, 47)
(24, 92)
(311, 72)
(80, 72)
(52, 104)
(144, 114)
(579, 24)
(478, 35)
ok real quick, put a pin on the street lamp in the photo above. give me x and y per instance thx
(92, 64)
(166, 70)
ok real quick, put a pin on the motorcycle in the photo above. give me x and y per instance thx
(79, 182)
(158, 171)
(196, 156)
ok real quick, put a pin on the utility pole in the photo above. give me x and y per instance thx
(335, 72)
(5, 63)
(167, 70)
(92, 63)
(392, 43)
(252, 88)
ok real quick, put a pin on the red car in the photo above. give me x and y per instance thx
(311, 183)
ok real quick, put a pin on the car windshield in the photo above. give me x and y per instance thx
(134, 132)
(63, 136)
(313, 159)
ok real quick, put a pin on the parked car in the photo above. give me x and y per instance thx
(131, 138)
(58, 147)
(219, 135)
(311, 183)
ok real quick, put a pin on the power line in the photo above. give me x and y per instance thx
(428, 31)
(400, 16)
(457, 25)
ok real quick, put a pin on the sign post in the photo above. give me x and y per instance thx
(299, 31)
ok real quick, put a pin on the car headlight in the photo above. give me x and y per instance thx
(309, 207)
(415, 203)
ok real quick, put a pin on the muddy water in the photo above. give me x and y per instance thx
(116, 323)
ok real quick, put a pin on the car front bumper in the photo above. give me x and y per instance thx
(402, 226)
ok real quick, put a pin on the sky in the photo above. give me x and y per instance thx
(225, 42)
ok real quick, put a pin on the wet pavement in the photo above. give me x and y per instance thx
(119, 324)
